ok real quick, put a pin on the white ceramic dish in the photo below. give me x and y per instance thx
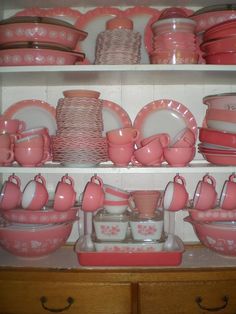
(148, 229)
(129, 247)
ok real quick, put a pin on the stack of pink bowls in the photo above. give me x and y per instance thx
(79, 138)
(219, 43)
(119, 43)
(218, 136)
(174, 40)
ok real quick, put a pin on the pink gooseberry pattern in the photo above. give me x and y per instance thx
(146, 229)
(110, 230)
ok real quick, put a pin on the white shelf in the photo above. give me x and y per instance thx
(195, 167)
(117, 74)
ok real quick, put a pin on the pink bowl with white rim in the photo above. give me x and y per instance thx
(224, 101)
(33, 241)
(220, 119)
(217, 236)
(113, 193)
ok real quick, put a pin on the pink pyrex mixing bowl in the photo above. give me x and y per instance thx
(34, 241)
(217, 236)
(41, 29)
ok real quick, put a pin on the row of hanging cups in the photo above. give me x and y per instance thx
(29, 148)
(35, 194)
(205, 196)
(154, 150)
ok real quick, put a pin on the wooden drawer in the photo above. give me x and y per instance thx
(23, 297)
(184, 297)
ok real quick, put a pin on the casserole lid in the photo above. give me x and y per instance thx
(217, 7)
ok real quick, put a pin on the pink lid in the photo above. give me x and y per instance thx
(119, 22)
(81, 93)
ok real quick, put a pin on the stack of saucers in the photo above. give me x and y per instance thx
(118, 44)
(79, 138)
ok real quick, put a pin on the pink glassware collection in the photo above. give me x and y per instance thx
(217, 136)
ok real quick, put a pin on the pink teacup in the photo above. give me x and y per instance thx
(113, 193)
(7, 140)
(35, 194)
(185, 138)
(93, 195)
(145, 202)
(31, 157)
(120, 155)
(179, 156)
(122, 135)
(175, 194)
(39, 131)
(205, 195)
(163, 137)
(228, 194)
(36, 140)
(11, 126)
(65, 194)
(150, 154)
(10, 196)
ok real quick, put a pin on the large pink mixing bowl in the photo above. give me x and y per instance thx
(217, 236)
(30, 241)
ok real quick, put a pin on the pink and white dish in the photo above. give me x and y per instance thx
(217, 236)
(35, 195)
(223, 101)
(46, 215)
(212, 15)
(164, 116)
(65, 195)
(221, 119)
(11, 195)
(175, 195)
(114, 117)
(211, 215)
(115, 207)
(147, 229)
(35, 113)
(33, 241)
(110, 227)
(93, 22)
(205, 195)
(40, 29)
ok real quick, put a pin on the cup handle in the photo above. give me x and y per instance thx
(180, 178)
(135, 162)
(131, 203)
(232, 177)
(66, 178)
(136, 134)
(15, 178)
(11, 156)
(98, 179)
(212, 180)
(39, 178)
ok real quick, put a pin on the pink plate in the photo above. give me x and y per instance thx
(162, 258)
(94, 21)
(34, 113)
(114, 116)
(48, 216)
(140, 16)
(164, 116)
(224, 160)
(216, 137)
(216, 214)
(63, 13)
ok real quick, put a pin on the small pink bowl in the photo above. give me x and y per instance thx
(179, 156)
(225, 58)
(219, 45)
(226, 101)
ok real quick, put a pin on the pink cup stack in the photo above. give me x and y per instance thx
(121, 145)
(174, 40)
(116, 200)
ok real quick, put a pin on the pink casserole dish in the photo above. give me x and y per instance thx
(40, 29)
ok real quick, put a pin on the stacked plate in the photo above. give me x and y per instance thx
(218, 136)
(118, 46)
(219, 43)
(79, 140)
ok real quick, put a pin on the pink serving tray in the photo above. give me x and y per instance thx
(163, 258)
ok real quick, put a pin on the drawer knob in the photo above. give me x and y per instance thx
(44, 300)
(225, 300)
